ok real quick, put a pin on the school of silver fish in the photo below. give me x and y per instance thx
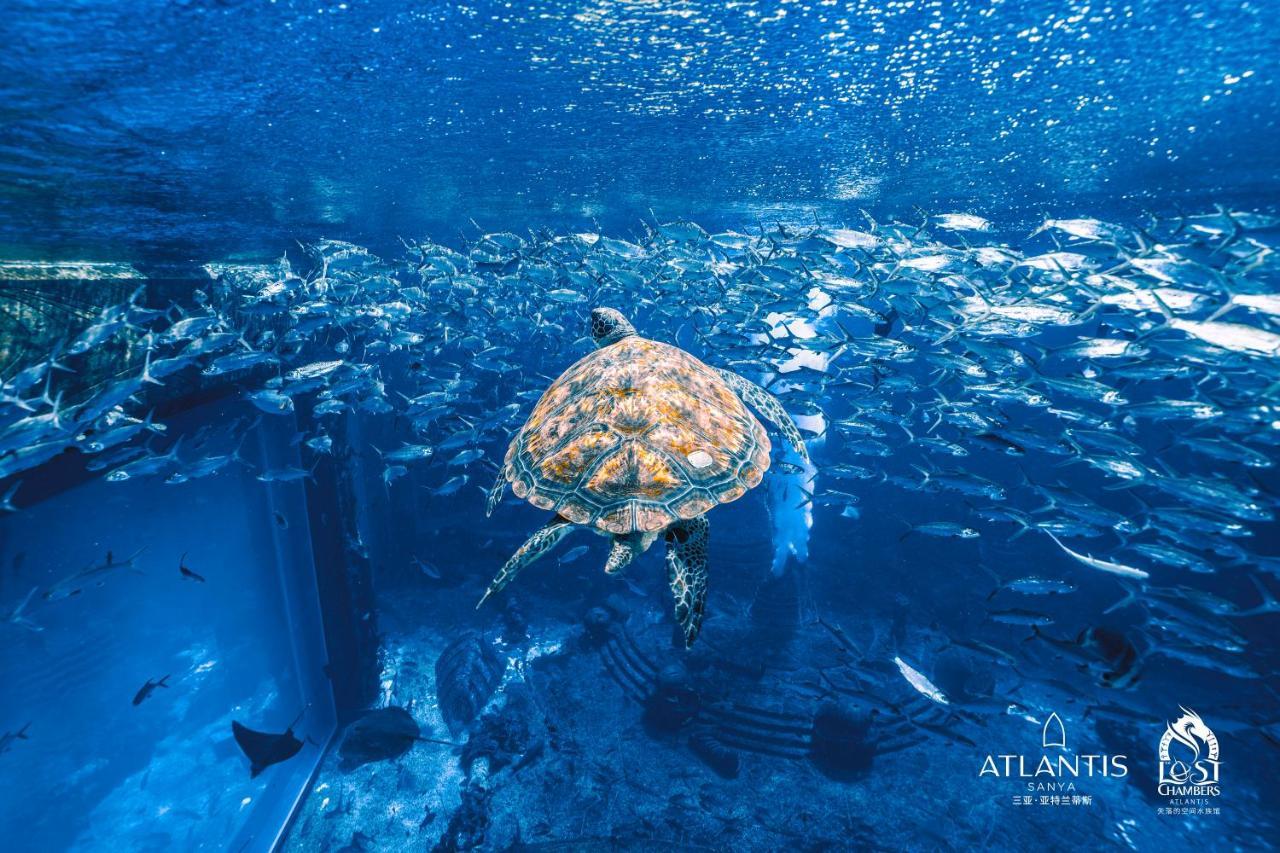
(1118, 382)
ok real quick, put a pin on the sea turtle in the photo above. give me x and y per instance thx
(635, 440)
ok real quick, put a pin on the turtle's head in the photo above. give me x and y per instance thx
(609, 326)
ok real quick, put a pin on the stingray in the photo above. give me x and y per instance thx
(263, 748)
(382, 734)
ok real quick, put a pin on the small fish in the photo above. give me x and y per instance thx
(96, 574)
(1175, 557)
(1197, 657)
(942, 529)
(428, 570)
(147, 465)
(460, 439)
(565, 296)
(1033, 585)
(320, 443)
(285, 474)
(961, 222)
(189, 327)
(941, 445)
(186, 572)
(1227, 451)
(17, 616)
(963, 483)
(867, 447)
(1104, 348)
(147, 689)
(1101, 565)
(329, 407)
(271, 402)
(573, 554)
(1229, 336)
(6, 502)
(922, 685)
(409, 453)
(1002, 443)
(96, 335)
(928, 263)
(634, 587)
(450, 486)
(1084, 229)
(848, 239)
(1018, 616)
(466, 457)
(210, 344)
(1060, 262)
(8, 738)
(239, 361)
(1165, 410)
(314, 370)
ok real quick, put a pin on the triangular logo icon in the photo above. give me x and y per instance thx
(1055, 734)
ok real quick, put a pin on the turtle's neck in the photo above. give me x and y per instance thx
(620, 335)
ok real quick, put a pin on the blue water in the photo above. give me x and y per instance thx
(190, 129)
(1011, 268)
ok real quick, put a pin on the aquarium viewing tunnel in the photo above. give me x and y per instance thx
(639, 425)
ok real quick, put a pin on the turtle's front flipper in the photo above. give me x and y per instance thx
(542, 541)
(767, 404)
(687, 573)
(496, 493)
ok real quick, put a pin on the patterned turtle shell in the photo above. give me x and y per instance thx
(635, 436)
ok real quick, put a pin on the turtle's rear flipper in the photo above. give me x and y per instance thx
(687, 573)
(624, 550)
(767, 404)
(542, 541)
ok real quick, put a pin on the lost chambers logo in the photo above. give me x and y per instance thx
(1188, 758)
(1050, 778)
